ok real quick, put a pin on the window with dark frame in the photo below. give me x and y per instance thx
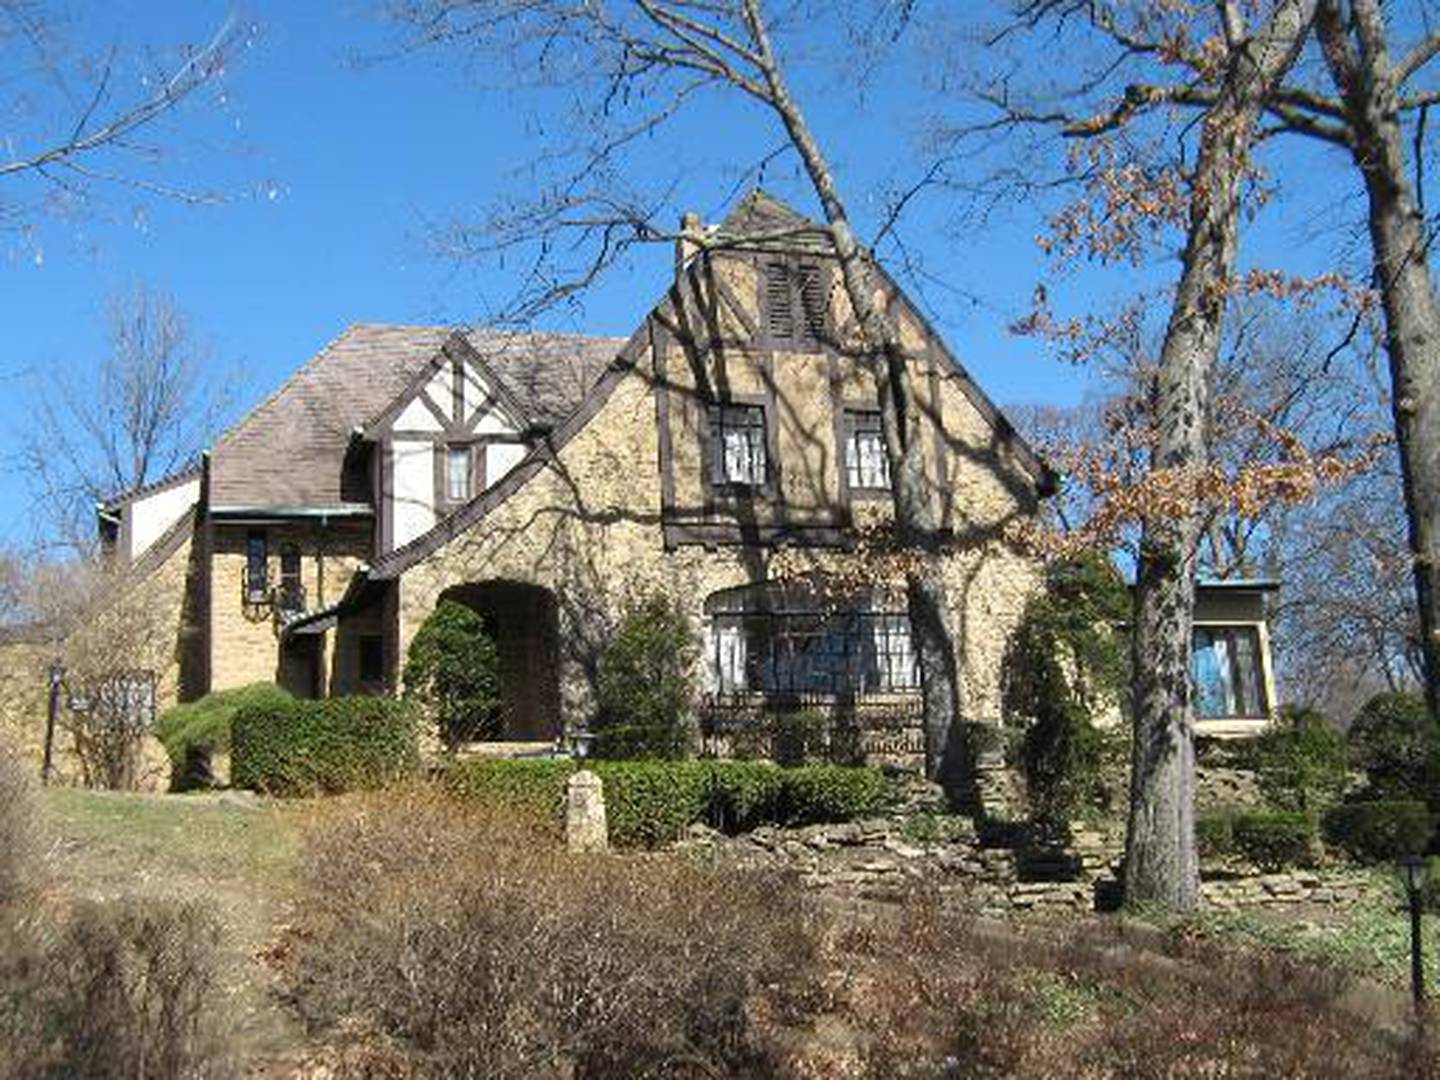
(866, 467)
(794, 303)
(372, 659)
(292, 588)
(257, 567)
(1225, 664)
(458, 470)
(809, 652)
(739, 459)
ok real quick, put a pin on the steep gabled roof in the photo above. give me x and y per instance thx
(290, 450)
(763, 221)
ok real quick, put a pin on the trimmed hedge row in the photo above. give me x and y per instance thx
(1270, 839)
(304, 747)
(648, 803)
(205, 723)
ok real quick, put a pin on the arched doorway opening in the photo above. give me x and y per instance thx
(524, 621)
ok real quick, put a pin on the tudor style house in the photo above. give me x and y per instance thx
(547, 480)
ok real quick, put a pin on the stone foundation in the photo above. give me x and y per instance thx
(882, 858)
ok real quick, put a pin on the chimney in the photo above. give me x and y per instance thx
(689, 242)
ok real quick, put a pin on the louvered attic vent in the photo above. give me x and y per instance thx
(794, 303)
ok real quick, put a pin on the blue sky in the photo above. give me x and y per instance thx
(334, 173)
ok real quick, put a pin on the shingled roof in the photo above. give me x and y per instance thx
(289, 451)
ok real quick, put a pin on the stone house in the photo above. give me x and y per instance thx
(548, 480)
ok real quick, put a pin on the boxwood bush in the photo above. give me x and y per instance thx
(317, 747)
(1215, 834)
(1380, 830)
(1276, 839)
(648, 803)
(204, 725)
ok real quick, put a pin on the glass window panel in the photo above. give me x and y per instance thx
(457, 474)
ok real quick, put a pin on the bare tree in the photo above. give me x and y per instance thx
(644, 61)
(145, 409)
(77, 123)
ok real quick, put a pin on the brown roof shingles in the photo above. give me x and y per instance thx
(290, 450)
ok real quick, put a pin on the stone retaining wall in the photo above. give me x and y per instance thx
(881, 858)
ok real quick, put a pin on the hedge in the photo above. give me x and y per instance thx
(314, 747)
(1270, 839)
(1382, 830)
(648, 803)
(205, 723)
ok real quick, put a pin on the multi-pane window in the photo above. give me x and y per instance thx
(737, 446)
(794, 301)
(846, 652)
(1225, 663)
(457, 473)
(292, 591)
(866, 467)
(257, 568)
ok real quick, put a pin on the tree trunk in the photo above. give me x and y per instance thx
(1161, 865)
(927, 600)
(1407, 292)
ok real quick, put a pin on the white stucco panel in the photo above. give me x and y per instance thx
(441, 389)
(500, 458)
(412, 494)
(416, 417)
(151, 515)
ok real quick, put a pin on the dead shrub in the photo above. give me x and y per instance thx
(22, 831)
(125, 988)
(461, 945)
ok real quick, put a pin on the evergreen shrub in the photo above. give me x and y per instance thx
(647, 684)
(304, 747)
(452, 672)
(1380, 830)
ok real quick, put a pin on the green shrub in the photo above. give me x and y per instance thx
(453, 673)
(1301, 762)
(1380, 830)
(205, 724)
(647, 684)
(1067, 666)
(820, 793)
(1215, 834)
(1276, 839)
(1396, 742)
(649, 803)
(313, 747)
(533, 789)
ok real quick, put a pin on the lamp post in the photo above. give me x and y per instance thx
(1413, 868)
(56, 673)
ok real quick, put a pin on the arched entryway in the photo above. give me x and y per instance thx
(524, 620)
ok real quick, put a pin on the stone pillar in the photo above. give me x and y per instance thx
(585, 828)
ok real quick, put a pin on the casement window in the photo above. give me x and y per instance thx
(866, 467)
(372, 660)
(738, 456)
(257, 568)
(793, 299)
(459, 468)
(1225, 665)
(811, 652)
(292, 589)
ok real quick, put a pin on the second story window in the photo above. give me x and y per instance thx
(458, 471)
(737, 442)
(257, 568)
(866, 467)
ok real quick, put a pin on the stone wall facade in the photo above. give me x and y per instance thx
(624, 510)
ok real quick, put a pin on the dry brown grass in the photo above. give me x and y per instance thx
(440, 940)
(125, 988)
